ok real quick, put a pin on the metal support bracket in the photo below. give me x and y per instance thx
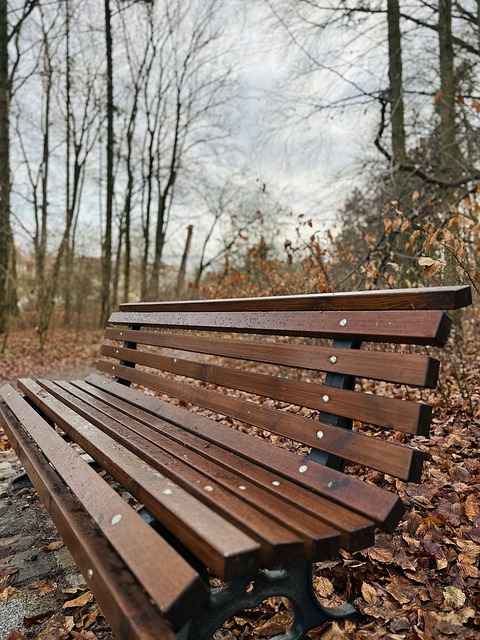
(338, 381)
(125, 363)
(294, 583)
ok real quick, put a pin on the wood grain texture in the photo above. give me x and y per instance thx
(422, 298)
(234, 470)
(251, 508)
(392, 413)
(230, 553)
(406, 327)
(388, 457)
(118, 523)
(383, 507)
(123, 602)
(404, 368)
(279, 546)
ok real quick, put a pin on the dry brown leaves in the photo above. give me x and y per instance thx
(420, 583)
(82, 621)
(66, 350)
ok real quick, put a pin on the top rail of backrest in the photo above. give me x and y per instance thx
(429, 298)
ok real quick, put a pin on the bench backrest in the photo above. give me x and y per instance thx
(259, 362)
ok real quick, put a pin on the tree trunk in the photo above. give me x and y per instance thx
(107, 238)
(183, 265)
(449, 149)
(7, 257)
(395, 74)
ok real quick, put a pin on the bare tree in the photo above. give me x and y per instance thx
(8, 296)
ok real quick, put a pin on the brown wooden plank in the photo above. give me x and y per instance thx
(388, 457)
(279, 546)
(409, 327)
(117, 521)
(421, 298)
(221, 546)
(227, 493)
(357, 532)
(410, 417)
(402, 368)
(383, 507)
(122, 599)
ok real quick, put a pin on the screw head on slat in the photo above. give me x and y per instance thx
(333, 359)
(242, 487)
(325, 399)
(319, 435)
(167, 492)
(276, 483)
(343, 322)
(116, 518)
(303, 468)
(90, 574)
(208, 487)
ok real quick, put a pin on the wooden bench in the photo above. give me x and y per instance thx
(256, 504)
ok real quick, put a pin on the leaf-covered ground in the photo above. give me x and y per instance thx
(66, 351)
(421, 583)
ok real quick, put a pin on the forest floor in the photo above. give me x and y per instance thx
(421, 583)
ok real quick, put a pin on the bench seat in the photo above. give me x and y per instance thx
(269, 495)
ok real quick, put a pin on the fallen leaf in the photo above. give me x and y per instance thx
(80, 601)
(42, 587)
(380, 554)
(454, 598)
(90, 618)
(84, 635)
(6, 554)
(56, 629)
(472, 508)
(8, 575)
(324, 587)
(279, 623)
(37, 619)
(369, 593)
(53, 546)
(72, 590)
(15, 634)
(9, 593)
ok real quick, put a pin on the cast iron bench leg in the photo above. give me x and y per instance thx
(295, 584)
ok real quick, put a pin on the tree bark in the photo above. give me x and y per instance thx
(449, 148)
(183, 266)
(7, 257)
(107, 238)
(395, 74)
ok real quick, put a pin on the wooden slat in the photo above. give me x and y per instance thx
(123, 601)
(388, 457)
(357, 532)
(219, 545)
(402, 368)
(250, 507)
(117, 521)
(383, 507)
(410, 417)
(423, 298)
(279, 546)
(410, 327)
